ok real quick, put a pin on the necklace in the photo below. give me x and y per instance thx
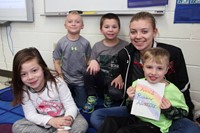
(34, 91)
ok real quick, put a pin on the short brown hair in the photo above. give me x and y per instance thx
(109, 16)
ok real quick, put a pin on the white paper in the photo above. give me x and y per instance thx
(147, 99)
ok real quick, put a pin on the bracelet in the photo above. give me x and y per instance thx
(67, 128)
(64, 128)
(60, 74)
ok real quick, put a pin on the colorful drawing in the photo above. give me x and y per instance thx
(147, 99)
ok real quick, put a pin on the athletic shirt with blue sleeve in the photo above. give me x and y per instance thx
(73, 56)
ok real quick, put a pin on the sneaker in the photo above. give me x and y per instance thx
(107, 101)
(89, 106)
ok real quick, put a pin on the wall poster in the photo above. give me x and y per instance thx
(187, 11)
(146, 3)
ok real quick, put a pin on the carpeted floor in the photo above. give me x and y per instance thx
(9, 114)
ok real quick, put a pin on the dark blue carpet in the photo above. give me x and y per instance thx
(9, 114)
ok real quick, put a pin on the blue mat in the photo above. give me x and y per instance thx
(9, 114)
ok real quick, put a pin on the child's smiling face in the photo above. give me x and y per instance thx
(32, 74)
(154, 72)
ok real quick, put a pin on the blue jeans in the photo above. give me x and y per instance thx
(79, 94)
(184, 125)
(98, 116)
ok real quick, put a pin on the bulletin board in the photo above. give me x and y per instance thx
(95, 7)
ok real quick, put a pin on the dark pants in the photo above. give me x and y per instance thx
(79, 94)
(100, 84)
(126, 125)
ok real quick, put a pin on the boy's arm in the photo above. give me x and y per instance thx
(131, 94)
(93, 67)
(129, 103)
(174, 113)
(118, 82)
(57, 67)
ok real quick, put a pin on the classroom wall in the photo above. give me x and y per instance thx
(44, 32)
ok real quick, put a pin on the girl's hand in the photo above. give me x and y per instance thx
(165, 103)
(118, 82)
(69, 120)
(60, 122)
(93, 67)
(131, 92)
(57, 122)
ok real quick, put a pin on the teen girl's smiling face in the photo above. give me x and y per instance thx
(110, 29)
(155, 72)
(32, 75)
(142, 34)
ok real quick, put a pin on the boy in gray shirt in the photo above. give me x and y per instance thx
(70, 57)
(102, 76)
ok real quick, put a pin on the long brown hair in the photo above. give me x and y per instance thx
(20, 58)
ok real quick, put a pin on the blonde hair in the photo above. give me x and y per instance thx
(74, 13)
(156, 54)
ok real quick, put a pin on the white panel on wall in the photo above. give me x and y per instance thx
(91, 7)
(16, 10)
